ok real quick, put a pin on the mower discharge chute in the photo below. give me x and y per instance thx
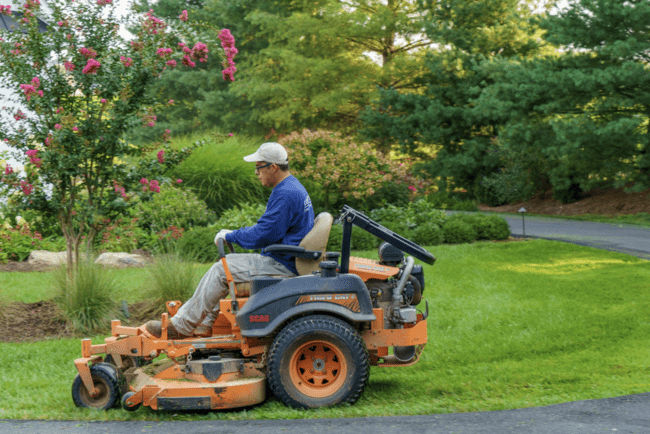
(313, 337)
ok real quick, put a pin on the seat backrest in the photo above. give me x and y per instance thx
(316, 239)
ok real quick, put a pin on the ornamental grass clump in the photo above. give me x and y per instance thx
(170, 278)
(87, 296)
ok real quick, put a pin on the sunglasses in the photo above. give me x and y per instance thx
(258, 168)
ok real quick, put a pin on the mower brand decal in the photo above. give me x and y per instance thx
(370, 267)
(349, 301)
(258, 318)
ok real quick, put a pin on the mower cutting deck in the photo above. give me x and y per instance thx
(313, 337)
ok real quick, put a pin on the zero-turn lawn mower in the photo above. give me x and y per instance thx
(313, 337)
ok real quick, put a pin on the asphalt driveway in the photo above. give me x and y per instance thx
(629, 239)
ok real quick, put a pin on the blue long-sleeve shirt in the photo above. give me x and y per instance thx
(289, 216)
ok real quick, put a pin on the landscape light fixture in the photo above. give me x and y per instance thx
(522, 210)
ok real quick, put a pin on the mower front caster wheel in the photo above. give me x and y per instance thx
(107, 384)
(125, 405)
(318, 361)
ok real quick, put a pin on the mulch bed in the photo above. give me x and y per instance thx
(25, 322)
(612, 202)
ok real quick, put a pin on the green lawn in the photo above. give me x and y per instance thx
(511, 325)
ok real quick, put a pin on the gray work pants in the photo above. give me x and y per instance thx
(203, 307)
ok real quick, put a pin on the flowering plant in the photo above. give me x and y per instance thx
(343, 168)
(85, 85)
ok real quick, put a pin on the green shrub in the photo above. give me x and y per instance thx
(491, 227)
(459, 229)
(197, 245)
(242, 215)
(219, 176)
(428, 234)
(18, 242)
(361, 240)
(87, 297)
(121, 235)
(464, 205)
(173, 207)
(170, 278)
(418, 220)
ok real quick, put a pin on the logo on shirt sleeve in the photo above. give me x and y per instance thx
(307, 204)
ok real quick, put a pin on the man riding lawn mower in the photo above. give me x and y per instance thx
(295, 316)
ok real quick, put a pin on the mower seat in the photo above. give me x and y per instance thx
(309, 253)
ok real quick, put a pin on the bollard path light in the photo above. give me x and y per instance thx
(522, 210)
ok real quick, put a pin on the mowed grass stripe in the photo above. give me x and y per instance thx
(511, 325)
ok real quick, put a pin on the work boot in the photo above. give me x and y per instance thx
(155, 328)
(203, 331)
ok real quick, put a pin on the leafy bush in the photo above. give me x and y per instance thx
(419, 221)
(197, 244)
(337, 171)
(428, 234)
(245, 214)
(173, 207)
(170, 278)
(87, 296)
(459, 229)
(121, 235)
(220, 177)
(361, 240)
(491, 227)
(18, 242)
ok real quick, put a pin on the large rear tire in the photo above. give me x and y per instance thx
(318, 361)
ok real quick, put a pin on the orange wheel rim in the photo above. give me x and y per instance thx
(318, 369)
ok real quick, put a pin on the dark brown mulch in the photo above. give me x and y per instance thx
(24, 322)
(611, 202)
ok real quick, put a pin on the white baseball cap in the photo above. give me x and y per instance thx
(270, 152)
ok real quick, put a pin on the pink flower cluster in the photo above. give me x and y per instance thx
(152, 24)
(120, 190)
(150, 186)
(228, 44)
(17, 51)
(161, 156)
(31, 89)
(104, 2)
(126, 61)
(20, 115)
(5, 10)
(91, 67)
(69, 66)
(162, 52)
(32, 153)
(26, 187)
(183, 16)
(8, 170)
(88, 53)
(48, 140)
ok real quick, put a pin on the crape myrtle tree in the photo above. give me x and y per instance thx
(466, 37)
(586, 110)
(84, 85)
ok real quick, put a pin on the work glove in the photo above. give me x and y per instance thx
(222, 234)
